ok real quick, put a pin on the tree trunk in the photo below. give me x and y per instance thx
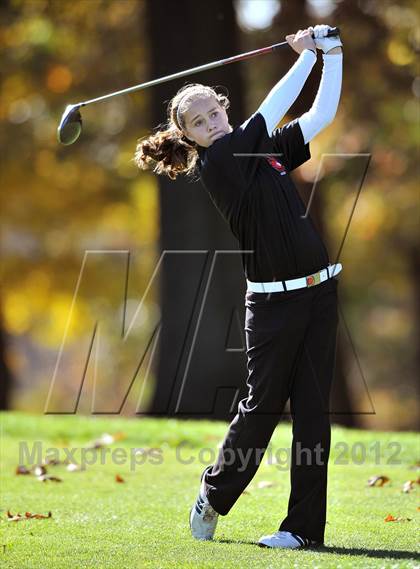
(196, 378)
(5, 372)
(414, 266)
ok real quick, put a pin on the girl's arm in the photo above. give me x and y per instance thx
(284, 93)
(325, 105)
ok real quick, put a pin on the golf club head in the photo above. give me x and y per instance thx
(70, 126)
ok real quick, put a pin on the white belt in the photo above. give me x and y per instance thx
(292, 284)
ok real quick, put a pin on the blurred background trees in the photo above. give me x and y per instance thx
(58, 202)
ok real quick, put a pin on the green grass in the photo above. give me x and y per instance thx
(143, 522)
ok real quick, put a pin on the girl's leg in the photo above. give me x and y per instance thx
(275, 328)
(309, 405)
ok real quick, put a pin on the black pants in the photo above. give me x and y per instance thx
(291, 340)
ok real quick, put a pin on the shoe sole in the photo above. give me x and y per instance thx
(314, 545)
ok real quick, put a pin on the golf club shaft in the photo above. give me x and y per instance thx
(205, 67)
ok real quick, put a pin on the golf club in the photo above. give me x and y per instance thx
(70, 125)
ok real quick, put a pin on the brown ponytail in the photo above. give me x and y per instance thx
(169, 151)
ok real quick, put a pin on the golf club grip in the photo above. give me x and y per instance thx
(332, 32)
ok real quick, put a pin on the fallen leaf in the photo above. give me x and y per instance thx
(38, 516)
(119, 478)
(265, 484)
(103, 440)
(14, 518)
(119, 436)
(39, 470)
(18, 517)
(391, 518)
(378, 480)
(21, 469)
(72, 467)
(48, 477)
(106, 439)
(409, 485)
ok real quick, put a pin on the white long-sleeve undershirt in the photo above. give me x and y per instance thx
(286, 91)
(326, 101)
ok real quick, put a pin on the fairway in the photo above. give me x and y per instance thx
(142, 521)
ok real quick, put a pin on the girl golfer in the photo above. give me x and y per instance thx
(291, 299)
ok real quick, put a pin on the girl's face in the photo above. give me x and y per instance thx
(206, 121)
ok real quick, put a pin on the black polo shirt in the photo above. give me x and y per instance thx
(246, 174)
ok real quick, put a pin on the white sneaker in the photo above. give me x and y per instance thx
(286, 540)
(203, 519)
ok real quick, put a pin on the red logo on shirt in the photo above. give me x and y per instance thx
(276, 165)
